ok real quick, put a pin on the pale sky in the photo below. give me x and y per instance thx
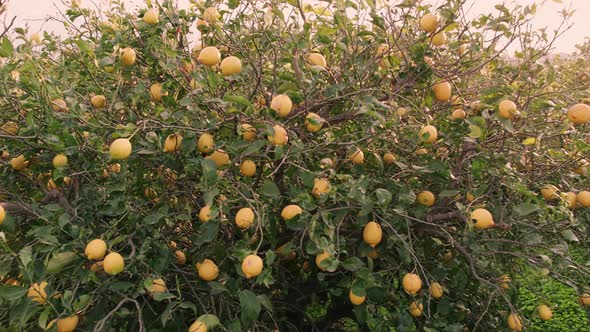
(32, 12)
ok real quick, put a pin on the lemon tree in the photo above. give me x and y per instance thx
(290, 166)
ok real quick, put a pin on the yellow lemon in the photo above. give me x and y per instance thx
(248, 168)
(507, 109)
(458, 114)
(35, 38)
(9, 127)
(429, 23)
(230, 66)
(60, 161)
(279, 135)
(180, 257)
(317, 59)
(59, 105)
(356, 300)
(248, 132)
(244, 218)
(483, 218)
(158, 286)
(172, 143)
(2, 214)
(319, 258)
(113, 263)
(505, 281)
(291, 211)
(426, 198)
(151, 16)
(252, 266)
(585, 300)
(357, 156)
(388, 158)
(95, 249)
(207, 270)
(67, 324)
(549, 192)
(128, 57)
(156, 93)
(313, 122)
(579, 114)
(412, 283)
(206, 143)
(416, 309)
(514, 322)
(205, 213)
(545, 312)
(209, 56)
(37, 292)
(211, 15)
(19, 163)
(120, 149)
(320, 187)
(220, 157)
(428, 134)
(281, 104)
(436, 290)
(584, 198)
(439, 39)
(442, 91)
(197, 326)
(401, 112)
(98, 101)
(372, 233)
(570, 199)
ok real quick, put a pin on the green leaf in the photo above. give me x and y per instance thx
(11, 293)
(524, 209)
(270, 189)
(207, 232)
(249, 307)
(569, 235)
(6, 49)
(26, 255)
(211, 321)
(352, 263)
(209, 170)
(60, 261)
(383, 197)
(240, 100)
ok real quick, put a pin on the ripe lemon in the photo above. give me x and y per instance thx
(120, 149)
(317, 59)
(205, 213)
(59, 105)
(388, 158)
(248, 168)
(113, 263)
(279, 135)
(442, 91)
(426, 198)
(156, 93)
(579, 114)
(244, 218)
(505, 281)
(514, 322)
(483, 219)
(248, 132)
(291, 211)
(436, 290)
(37, 292)
(19, 163)
(35, 38)
(356, 300)
(2, 214)
(158, 286)
(209, 56)
(545, 312)
(320, 187)
(421, 151)
(151, 16)
(197, 326)
(172, 143)
(252, 266)
(429, 23)
(458, 114)
(313, 122)
(281, 104)
(220, 157)
(230, 66)
(98, 101)
(357, 156)
(96, 249)
(67, 324)
(549, 192)
(9, 127)
(372, 234)
(319, 258)
(570, 199)
(128, 57)
(585, 300)
(584, 198)
(207, 270)
(412, 283)
(51, 185)
(416, 309)
(60, 161)
(428, 134)
(507, 109)
(439, 39)
(201, 24)
(206, 143)
(211, 15)
(401, 112)
(180, 257)
(97, 267)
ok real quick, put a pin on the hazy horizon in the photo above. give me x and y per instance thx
(34, 12)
